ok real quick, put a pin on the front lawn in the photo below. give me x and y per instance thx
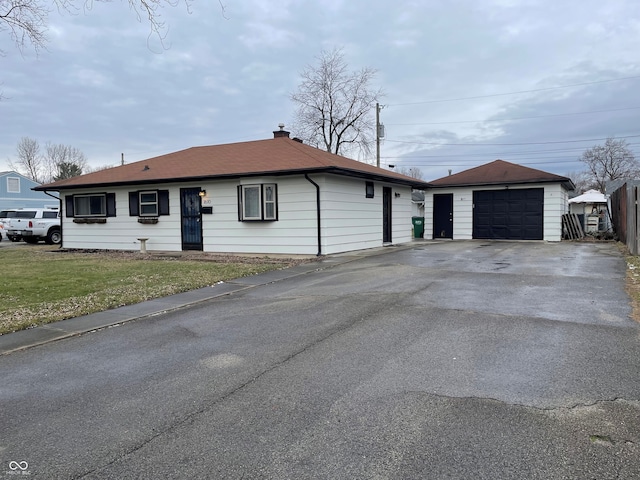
(43, 284)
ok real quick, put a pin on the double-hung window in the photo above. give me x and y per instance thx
(258, 202)
(149, 204)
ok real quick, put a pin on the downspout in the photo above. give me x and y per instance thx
(59, 212)
(318, 212)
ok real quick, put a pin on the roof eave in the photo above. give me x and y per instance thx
(566, 183)
(332, 169)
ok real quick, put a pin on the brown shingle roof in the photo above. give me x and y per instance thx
(275, 156)
(500, 172)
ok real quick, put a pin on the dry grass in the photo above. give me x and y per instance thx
(42, 284)
(633, 284)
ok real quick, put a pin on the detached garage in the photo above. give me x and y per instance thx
(500, 201)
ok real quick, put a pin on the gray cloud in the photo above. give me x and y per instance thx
(105, 86)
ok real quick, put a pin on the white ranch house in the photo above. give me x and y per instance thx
(275, 196)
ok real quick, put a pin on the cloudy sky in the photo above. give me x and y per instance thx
(533, 82)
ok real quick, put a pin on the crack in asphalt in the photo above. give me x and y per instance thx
(574, 406)
(208, 406)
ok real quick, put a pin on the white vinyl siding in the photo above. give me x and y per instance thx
(350, 221)
(556, 203)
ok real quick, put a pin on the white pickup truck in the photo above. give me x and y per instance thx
(35, 224)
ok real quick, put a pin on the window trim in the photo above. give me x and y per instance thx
(9, 189)
(90, 215)
(369, 190)
(109, 205)
(156, 203)
(162, 203)
(262, 202)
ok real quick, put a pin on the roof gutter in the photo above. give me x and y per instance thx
(317, 212)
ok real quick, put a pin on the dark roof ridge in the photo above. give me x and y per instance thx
(500, 172)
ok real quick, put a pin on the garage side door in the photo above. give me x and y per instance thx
(508, 214)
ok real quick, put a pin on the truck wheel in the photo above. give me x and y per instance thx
(13, 239)
(54, 237)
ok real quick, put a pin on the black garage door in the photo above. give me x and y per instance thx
(508, 214)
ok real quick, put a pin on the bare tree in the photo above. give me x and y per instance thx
(57, 160)
(26, 20)
(610, 161)
(63, 161)
(335, 107)
(413, 172)
(582, 180)
(29, 159)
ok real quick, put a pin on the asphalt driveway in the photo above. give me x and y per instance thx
(446, 360)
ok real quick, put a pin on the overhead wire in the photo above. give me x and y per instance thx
(635, 77)
(512, 119)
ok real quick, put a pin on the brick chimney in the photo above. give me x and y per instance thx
(281, 133)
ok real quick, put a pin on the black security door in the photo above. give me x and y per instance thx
(191, 219)
(386, 215)
(443, 215)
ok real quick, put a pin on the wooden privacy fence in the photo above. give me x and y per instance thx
(624, 215)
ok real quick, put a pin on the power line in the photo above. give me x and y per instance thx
(506, 144)
(527, 152)
(515, 118)
(470, 165)
(514, 93)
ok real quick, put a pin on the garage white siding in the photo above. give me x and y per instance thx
(462, 212)
(555, 204)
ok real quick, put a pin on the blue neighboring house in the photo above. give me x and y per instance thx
(15, 192)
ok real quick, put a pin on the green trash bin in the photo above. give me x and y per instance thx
(418, 227)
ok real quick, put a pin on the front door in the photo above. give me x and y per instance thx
(386, 215)
(443, 215)
(191, 218)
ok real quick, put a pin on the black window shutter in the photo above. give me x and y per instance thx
(275, 192)
(68, 201)
(163, 202)
(239, 203)
(134, 206)
(111, 204)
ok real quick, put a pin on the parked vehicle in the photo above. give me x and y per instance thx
(34, 224)
(4, 219)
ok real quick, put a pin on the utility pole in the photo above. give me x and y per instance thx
(379, 130)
